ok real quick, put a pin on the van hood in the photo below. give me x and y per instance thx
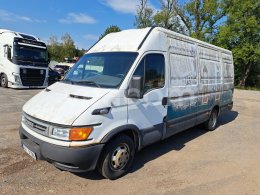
(63, 103)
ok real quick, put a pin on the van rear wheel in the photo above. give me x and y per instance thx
(211, 123)
(4, 81)
(117, 157)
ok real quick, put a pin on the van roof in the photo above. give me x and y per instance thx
(133, 39)
(126, 40)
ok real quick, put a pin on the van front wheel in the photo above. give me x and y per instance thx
(117, 157)
(211, 123)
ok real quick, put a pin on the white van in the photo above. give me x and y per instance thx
(131, 89)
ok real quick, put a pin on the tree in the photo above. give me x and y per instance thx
(144, 15)
(65, 49)
(54, 48)
(201, 18)
(110, 29)
(68, 45)
(241, 34)
(167, 17)
(196, 18)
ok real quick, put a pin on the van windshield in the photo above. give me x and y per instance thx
(106, 69)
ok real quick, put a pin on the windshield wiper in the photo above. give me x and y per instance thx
(67, 81)
(87, 82)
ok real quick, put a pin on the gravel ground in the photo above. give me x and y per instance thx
(225, 161)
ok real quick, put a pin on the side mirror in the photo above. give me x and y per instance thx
(135, 89)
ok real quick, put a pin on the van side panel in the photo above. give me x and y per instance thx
(210, 81)
(228, 80)
(183, 86)
(201, 77)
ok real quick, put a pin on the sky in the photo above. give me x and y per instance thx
(84, 20)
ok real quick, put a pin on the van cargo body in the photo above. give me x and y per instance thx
(131, 89)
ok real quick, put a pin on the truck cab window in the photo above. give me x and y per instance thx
(152, 68)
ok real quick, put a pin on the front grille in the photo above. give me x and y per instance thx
(32, 77)
(36, 126)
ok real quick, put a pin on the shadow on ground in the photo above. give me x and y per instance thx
(176, 142)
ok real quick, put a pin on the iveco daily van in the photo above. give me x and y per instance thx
(131, 89)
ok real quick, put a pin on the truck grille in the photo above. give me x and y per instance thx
(32, 77)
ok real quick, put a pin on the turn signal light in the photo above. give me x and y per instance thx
(80, 134)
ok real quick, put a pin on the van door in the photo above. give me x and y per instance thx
(183, 86)
(148, 113)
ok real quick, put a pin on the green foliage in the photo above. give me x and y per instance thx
(65, 49)
(196, 18)
(168, 18)
(68, 45)
(110, 29)
(241, 34)
(55, 49)
(201, 17)
(144, 15)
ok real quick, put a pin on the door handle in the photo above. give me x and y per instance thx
(164, 101)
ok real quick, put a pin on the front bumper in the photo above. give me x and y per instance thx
(20, 86)
(78, 159)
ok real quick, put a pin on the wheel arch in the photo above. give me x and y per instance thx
(130, 130)
(216, 107)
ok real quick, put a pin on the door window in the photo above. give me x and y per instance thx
(152, 69)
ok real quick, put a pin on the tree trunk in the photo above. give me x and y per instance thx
(197, 18)
(243, 78)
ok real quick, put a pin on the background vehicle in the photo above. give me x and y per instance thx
(53, 76)
(61, 69)
(23, 60)
(131, 89)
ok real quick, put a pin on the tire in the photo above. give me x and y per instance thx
(117, 157)
(211, 123)
(4, 81)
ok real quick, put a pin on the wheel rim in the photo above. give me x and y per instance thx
(120, 157)
(213, 119)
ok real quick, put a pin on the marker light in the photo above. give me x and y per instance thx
(101, 111)
(80, 133)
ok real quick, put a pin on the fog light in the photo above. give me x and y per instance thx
(17, 78)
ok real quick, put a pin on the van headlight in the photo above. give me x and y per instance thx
(72, 134)
(60, 133)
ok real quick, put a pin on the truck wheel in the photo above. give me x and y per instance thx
(117, 157)
(4, 81)
(211, 123)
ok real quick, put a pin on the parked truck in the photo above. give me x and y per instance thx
(23, 60)
(133, 88)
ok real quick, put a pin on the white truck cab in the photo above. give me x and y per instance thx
(131, 89)
(23, 60)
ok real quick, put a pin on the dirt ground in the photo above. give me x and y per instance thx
(225, 161)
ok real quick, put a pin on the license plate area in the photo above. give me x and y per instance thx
(28, 151)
